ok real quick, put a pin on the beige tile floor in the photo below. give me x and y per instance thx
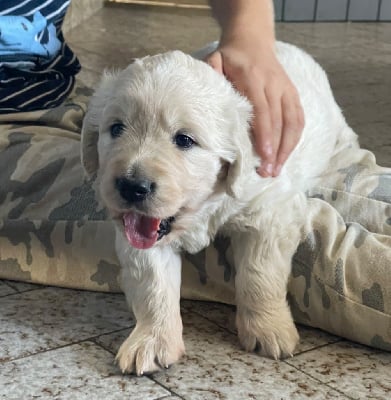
(60, 343)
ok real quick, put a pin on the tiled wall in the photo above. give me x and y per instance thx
(333, 10)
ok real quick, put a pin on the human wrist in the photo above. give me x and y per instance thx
(248, 36)
(248, 31)
(245, 19)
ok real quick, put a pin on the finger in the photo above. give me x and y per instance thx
(293, 122)
(270, 133)
(275, 110)
(215, 60)
(263, 136)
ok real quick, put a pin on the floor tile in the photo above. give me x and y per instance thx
(170, 398)
(311, 338)
(81, 371)
(96, 62)
(358, 371)
(43, 319)
(221, 314)
(215, 367)
(6, 289)
(118, 32)
(112, 341)
(89, 77)
(21, 287)
(224, 316)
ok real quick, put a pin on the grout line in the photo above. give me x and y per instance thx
(347, 11)
(89, 339)
(225, 328)
(18, 292)
(164, 387)
(7, 283)
(315, 10)
(14, 285)
(283, 11)
(318, 380)
(10, 287)
(94, 338)
(150, 377)
(235, 333)
(317, 348)
(379, 6)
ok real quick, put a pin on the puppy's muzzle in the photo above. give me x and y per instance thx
(134, 190)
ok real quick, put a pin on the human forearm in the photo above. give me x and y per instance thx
(246, 56)
(245, 17)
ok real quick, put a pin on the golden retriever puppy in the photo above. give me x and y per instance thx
(169, 139)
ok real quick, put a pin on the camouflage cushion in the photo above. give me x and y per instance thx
(54, 231)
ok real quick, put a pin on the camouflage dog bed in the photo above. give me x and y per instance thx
(54, 231)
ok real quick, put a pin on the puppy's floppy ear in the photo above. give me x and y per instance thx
(91, 122)
(242, 149)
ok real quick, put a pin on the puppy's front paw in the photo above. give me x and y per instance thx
(273, 334)
(142, 352)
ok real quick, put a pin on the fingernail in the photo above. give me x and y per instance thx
(261, 172)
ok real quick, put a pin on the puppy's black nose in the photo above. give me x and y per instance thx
(134, 190)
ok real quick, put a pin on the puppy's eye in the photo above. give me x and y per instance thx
(116, 129)
(183, 141)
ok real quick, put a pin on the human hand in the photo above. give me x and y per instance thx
(278, 118)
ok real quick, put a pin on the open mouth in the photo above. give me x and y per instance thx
(142, 231)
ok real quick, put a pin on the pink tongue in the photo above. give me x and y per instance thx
(140, 230)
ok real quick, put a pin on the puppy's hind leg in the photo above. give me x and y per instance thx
(263, 265)
(151, 281)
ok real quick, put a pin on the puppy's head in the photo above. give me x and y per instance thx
(166, 136)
